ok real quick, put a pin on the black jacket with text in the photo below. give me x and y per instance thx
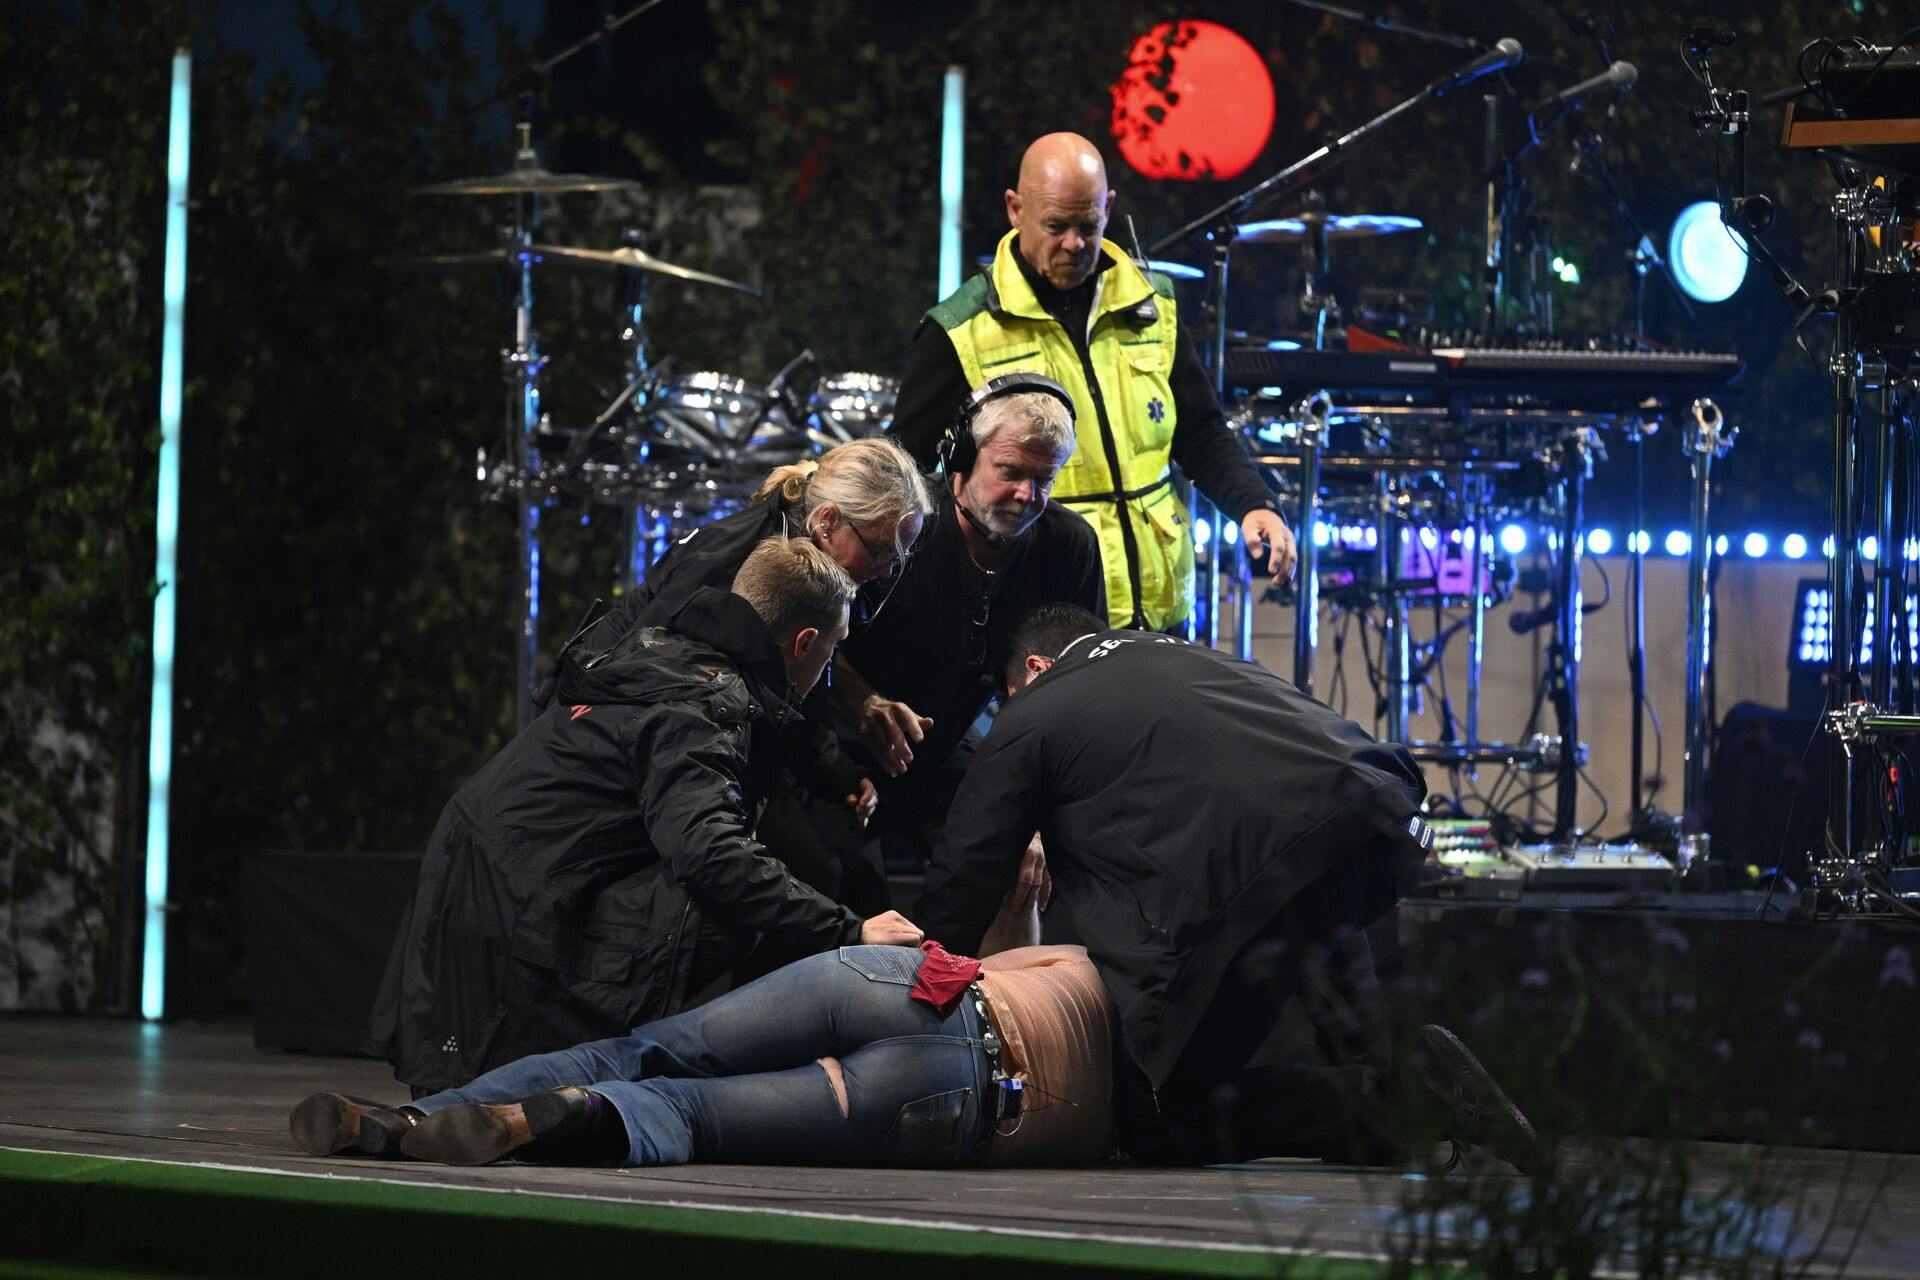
(1184, 797)
(602, 867)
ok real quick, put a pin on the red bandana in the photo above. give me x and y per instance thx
(944, 977)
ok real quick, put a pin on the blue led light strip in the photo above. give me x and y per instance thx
(166, 529)
(953, 155)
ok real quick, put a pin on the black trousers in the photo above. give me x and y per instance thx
(1236, 1093)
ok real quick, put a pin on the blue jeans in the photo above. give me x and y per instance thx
(737, 1080)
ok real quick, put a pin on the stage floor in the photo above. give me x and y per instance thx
(202, 1102)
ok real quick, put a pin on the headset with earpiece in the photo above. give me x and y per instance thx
(957, 449)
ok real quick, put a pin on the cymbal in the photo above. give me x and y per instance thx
(527, 181)
(554, 255)
(632, 259)
(1339, 226)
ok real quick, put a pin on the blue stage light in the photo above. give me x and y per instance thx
(1754, 544)
(166, 525)
(1679, 542)
(953, 167)
(1322, 535)
(1709, 262)
(1870, 547)
(1793, 546)
(1513, 539)
(1599, 542)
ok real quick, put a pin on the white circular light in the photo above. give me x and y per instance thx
(1793, 546)
(1599, 542)
(1754, 544)
(1679, 543)
(1513, 539)
(1709, 261)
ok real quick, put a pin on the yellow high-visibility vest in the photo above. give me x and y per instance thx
(1120, 474)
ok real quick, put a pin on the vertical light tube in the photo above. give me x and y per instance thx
(166, 530)
(953, 165)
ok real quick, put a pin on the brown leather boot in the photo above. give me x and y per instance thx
(329, 1124)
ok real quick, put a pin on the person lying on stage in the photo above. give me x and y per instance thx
(871, 1055)
(1220, 841)
(864, 503)
(601, 870)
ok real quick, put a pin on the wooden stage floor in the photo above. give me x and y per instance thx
(204, 1100)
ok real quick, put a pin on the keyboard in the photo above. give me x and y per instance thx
(1597, 376)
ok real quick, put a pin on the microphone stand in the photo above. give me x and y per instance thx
(1379, 23)
(528, 79)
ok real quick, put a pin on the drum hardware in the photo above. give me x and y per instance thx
(1707, 439)
(1862, 120)
(1314, 230)
(1218, 227)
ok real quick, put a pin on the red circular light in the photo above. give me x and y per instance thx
(1195, 101)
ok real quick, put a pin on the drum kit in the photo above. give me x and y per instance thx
(672, 450)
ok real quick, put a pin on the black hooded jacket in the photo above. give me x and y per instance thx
(602, 866)
(1184, 797)
(709, 557)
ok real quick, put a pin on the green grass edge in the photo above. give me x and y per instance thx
(94, 1212)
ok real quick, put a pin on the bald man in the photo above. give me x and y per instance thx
(1062, 300)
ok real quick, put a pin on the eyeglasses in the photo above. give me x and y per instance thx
(892, 557)
(979, 609)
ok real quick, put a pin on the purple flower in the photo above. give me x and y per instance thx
(1898, 967)
(1722, 1050)
(1809, 1040)
(1681, 1002)
(1668, 936)
(1535, 977)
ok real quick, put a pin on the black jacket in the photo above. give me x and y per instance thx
(710, 556)
(602, 866)
(1184, 797)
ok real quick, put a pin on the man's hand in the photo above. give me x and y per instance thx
(864, 801)
(1264, 528)
(890, 729)
(1018, 922)
(890, 929)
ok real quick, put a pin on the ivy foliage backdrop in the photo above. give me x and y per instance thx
(345, 606)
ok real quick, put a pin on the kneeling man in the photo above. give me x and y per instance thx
(602, 870)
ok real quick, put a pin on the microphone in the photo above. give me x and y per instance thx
(1620, 75)
(1505, 53)
(1533, 619)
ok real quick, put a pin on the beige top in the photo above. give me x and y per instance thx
(1056, 1030)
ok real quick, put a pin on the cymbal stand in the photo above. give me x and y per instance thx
(643, 540)
(1311, 414)
(522, 365)
(1706, 439)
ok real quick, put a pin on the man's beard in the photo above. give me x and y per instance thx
(1003, 522)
